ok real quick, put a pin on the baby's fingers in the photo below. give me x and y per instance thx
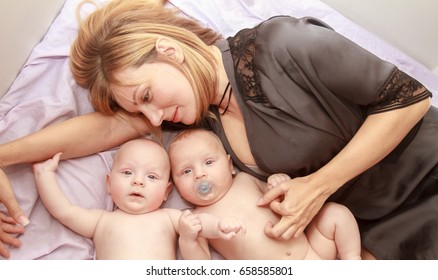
(276, 179)
(232, 226)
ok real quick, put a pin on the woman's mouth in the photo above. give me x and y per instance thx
(175, 116)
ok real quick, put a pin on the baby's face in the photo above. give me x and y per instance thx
(139, 179)
(201, 169)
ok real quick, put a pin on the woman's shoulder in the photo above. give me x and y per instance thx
(286, 28)
(277, 30)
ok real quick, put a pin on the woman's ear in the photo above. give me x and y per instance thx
(169, 48)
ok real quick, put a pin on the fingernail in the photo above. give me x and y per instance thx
(260, 202)
(23, 220)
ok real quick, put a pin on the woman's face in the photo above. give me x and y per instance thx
(163, 93)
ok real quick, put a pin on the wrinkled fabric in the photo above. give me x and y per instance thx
(304, 91)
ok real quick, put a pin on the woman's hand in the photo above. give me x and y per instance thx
(300, 199)
(8, 225)
(8, 229)
(297, 201)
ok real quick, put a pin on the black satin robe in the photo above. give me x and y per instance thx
(304, 91)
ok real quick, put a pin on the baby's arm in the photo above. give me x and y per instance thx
(196, 229)
(192, 247)
(220, 228)
(80, 220)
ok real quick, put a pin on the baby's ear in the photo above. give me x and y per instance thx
(230, 162)
(170, 49)
(108, 183)
(169, 188)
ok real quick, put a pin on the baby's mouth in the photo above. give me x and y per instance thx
(204, 190)
(136, 195)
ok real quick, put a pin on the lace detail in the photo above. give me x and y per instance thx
(243, 51)
(400, 91)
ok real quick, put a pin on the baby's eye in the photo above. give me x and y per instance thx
(187, 171)
(127, 172)
(152, 177)
(208, 162)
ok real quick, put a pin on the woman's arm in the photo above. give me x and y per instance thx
(79, 136)
(304, 197)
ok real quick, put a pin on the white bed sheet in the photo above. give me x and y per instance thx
(44, 93)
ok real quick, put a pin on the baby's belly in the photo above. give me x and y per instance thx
(254, 246)
(127, 242)
(132, 250)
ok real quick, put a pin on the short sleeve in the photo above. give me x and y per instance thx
(329, 63)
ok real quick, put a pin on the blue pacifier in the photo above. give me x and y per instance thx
(204, 190)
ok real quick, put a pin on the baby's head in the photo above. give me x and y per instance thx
(139, 180)
(202, 170)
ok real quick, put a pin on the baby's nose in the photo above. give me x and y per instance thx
(138, 182)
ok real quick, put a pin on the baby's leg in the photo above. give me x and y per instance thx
(334, 232)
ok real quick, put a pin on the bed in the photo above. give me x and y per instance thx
(44, 93)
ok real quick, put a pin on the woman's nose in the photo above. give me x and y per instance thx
(155, 116)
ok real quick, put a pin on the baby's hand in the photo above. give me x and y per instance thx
(276, 179)
(189, 226)
(230, 227)
(49, 165)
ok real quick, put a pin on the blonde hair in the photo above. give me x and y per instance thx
(123, 33)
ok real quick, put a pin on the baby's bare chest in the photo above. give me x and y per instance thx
(241, 203)
(135, 237)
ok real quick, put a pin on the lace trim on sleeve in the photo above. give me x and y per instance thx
(400, 91)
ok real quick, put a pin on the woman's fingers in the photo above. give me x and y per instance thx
(4, 252)
(271, 195)
(8, 228)
(291, 224)
(7, 197)
(284, 229)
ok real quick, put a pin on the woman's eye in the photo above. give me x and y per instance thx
(145, 98)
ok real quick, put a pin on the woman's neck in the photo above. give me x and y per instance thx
(222, 79)
(223, 93)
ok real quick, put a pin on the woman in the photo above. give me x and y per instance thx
(289, 95)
